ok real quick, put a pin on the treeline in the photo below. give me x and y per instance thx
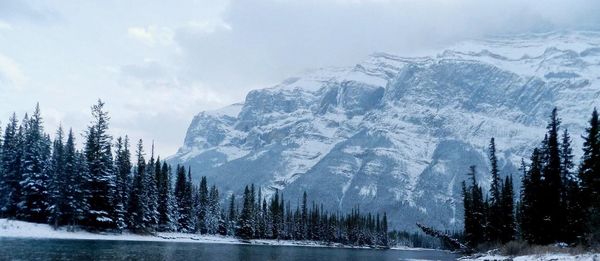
(100, 188)
(420, 240)
(261, 218)
(558, 203)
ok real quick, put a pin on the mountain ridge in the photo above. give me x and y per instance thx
(395, 133)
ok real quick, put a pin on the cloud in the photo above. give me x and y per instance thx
(270, 40)
(5, 26)
(207, 26)
(152, 35)
(24, 10)
(10, 73)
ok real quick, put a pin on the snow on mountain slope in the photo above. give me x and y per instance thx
(397, 134)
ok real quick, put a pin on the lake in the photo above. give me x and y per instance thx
(59, 249)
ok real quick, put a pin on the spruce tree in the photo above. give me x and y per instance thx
(183, 201)
(531, 215)
(35, 180)
(246, 229)
(10, 160)
(232, 216)
(58, 181)
(74, 172)
(101, 183)
(551, 207)
(150, 193)
(589, 173)
(570, 195)
(166, 201)
(508, 230)
(494, 228)
(137, 201)
(123, 175)
(202, 206)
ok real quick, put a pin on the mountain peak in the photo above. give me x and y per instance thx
(398, 133)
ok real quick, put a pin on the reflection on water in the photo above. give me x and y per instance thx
(54, 249)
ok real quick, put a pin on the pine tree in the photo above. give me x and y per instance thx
(74, 172)
(166, 202)
(508, 230)
(551, 185)
(530, 214)
(589, 173)
(101, 177)
(202, 206)
(478, 209)
(494, 228)
(570, 195)
(137, 202)
(213, 214)
(58, 181)
(232, 216)
(123, 175)
(246, 229)
(304, 220)
(183, 200)
(150, 193)
(35, 197)
(10, 160)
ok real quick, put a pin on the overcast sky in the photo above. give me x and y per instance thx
(158, 63)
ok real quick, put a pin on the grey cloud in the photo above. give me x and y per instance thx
(271, 40)
(148, 74)
(23, 10)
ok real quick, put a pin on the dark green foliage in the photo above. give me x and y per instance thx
(475, 210)
(35, 179)
(123, 173)
(507, 203)
(183, 197)
(589, 172)
(494, 227)
(10, 168)
(101, 181)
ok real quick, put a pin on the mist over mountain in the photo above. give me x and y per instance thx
(398, 134)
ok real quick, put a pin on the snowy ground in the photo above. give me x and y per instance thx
(21, 229)
(541, 257)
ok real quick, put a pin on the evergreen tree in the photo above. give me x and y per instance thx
(59, 181)
(35, 197)
(213, 214)
(571, 199)
(137, 202)
(477, 210)
(589, 172)
(530, 214)
(123, 174)
(150, 193)
(101, 177)
(202, 206)
(494, 228)
(232, 216)
(553, 214)
(508, 230)
(246, 229)
(304, 220)
(10, 160)
(184, 201)
(166, 201)
(74, 172)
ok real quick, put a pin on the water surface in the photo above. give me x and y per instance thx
(60, 249)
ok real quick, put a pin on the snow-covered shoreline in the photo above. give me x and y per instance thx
(539, 257)
(21, 229)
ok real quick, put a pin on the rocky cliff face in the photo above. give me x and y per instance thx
(397, 134)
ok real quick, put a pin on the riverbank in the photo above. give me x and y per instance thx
(21, 229)
(537, 257)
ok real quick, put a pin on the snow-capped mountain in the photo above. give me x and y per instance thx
(398, 134)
